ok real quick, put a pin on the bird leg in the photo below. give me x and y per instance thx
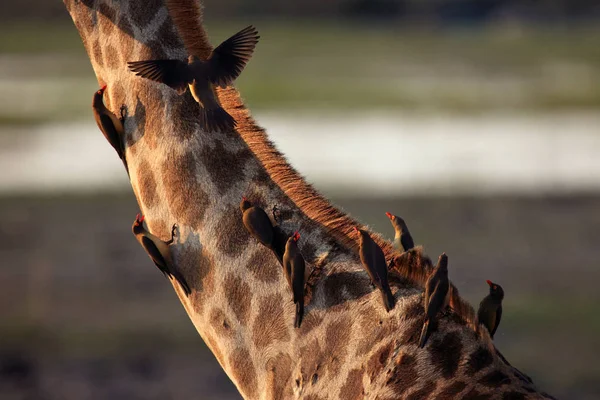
(123, 111)
(276, 214)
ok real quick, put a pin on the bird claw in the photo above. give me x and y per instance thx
(173, 230)
(276, 214)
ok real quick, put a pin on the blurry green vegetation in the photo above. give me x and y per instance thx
(45, 74)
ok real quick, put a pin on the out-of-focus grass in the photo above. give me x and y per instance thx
(331, 65)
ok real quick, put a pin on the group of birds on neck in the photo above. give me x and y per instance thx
(221, 68)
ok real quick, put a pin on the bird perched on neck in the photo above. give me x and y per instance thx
(294, 268)
(490, 308)
(373, 260)
(436, 296)
(257, 222)
(159, 252)
(402, 239)
(109, 124)
(222, 67)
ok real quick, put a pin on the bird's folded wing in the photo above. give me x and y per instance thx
(229, 59)
(173, 73)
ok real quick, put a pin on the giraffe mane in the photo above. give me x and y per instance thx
(413, 266)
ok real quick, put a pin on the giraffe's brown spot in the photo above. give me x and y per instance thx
(238, 296)
(220, 323)
(404, 374)
(513, 396)
(168, 37)
(446, 353)
(312, 397)
(494, 379)
(225, 168)
(378, 360)
(270, 324)
(377, 332)
(108, 12)
(185, 114)
(280, 367)
(311, 359)
(311, 320)
(474, 394)
(232, 236)
(154, 117)
(450, 391)
(338, 337)
(185, 196)
(142, 13)
(139, 117)
(243, 372)
(415, 310)
(261, 177)
(411, 334)
(263, 266)
(198, 268)
(337, 284)
(97, 53)
(308, 251)
(479, 360)
(422, 393)
(147, 185)
(111, 56)
(353, 387)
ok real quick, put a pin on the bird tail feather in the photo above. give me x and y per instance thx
(299, 314)
(388, 298)
(217, 120)
(181, 280)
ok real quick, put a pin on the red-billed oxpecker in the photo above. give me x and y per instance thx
(109, 124)
(159, 251)
(402, 239)
(259, 225)
(222, 67)
(294, 267)
(436, 297)
(373, 260)
(490, 308)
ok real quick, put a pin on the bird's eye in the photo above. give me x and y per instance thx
(495, 287)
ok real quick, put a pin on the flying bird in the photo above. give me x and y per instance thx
(436, 296)
(109, 124)
(222, 67)
(373, 260)
(294, 268)
(402, 239)
(159, 251)
(490, 308)
(259, 225)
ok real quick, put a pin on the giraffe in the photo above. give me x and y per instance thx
(348, 346)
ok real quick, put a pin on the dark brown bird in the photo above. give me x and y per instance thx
(402, 239)
(159, 251)
(436, 296)
(294, 267)
(259, 225)
(490, 308)
(373, 260)
(222, 67)
(109, 124)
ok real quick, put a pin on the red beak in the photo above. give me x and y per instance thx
(244, 198)
(103, 88)
(489, 282)
(296, 236)
(389, 215)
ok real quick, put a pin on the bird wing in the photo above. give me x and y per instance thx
(437, 298)
(229, 59)
(110, 131)
(287, 269)
(496, 320)
(298, 267)
(407, 241)
(259, 225)
(155, 254)
(173, 73)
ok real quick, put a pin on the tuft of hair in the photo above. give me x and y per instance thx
(187, 17)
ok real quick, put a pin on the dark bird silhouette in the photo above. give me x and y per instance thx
(373, 260)
(159, 251)
(222, 67)
(110, 125)
(259, 225)
(402, 239)
(436, 296)
(490, 308)
(294, 267)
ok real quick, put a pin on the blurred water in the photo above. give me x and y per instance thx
(380, 153)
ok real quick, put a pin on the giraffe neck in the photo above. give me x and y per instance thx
(347, 346)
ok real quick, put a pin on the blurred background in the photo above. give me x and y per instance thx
(476, 120)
